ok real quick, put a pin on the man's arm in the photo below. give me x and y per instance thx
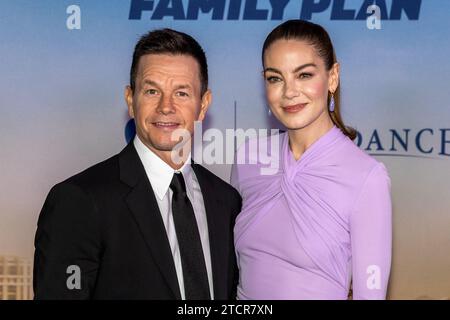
(237, 201)
(67, 245)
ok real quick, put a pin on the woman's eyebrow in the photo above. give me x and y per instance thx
(303, 66)
(272, 70)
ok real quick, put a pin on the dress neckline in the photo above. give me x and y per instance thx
(318, 147)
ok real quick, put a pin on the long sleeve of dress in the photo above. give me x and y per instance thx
(371, 236)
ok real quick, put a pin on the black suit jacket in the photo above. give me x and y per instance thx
(106, 221)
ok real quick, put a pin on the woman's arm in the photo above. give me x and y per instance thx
(371, 236)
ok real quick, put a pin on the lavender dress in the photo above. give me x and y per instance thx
(316, 224)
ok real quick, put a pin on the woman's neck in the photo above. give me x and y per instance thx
(301, 139)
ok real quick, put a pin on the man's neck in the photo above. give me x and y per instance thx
(175, 158)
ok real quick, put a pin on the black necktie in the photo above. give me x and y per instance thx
(192, 260)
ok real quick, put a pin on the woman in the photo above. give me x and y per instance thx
(323, 220)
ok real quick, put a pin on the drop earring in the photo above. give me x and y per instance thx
(332, 103)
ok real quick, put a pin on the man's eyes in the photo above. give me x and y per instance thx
(177, 93)
(151, 91)
(182, 94)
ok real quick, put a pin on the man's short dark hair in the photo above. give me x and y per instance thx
(168, 41)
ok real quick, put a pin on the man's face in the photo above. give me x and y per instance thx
(167, 97)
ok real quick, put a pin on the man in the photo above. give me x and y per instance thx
(145, 224)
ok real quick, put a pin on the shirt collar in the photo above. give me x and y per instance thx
(159, 173)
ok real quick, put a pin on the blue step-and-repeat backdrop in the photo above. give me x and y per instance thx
(64, 65)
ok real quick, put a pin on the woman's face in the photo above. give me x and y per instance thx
(297, 84)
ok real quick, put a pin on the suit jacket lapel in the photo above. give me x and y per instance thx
(218, 233)
(142, 203)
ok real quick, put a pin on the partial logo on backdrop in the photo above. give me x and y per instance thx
(271, 9)
(406, 142)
